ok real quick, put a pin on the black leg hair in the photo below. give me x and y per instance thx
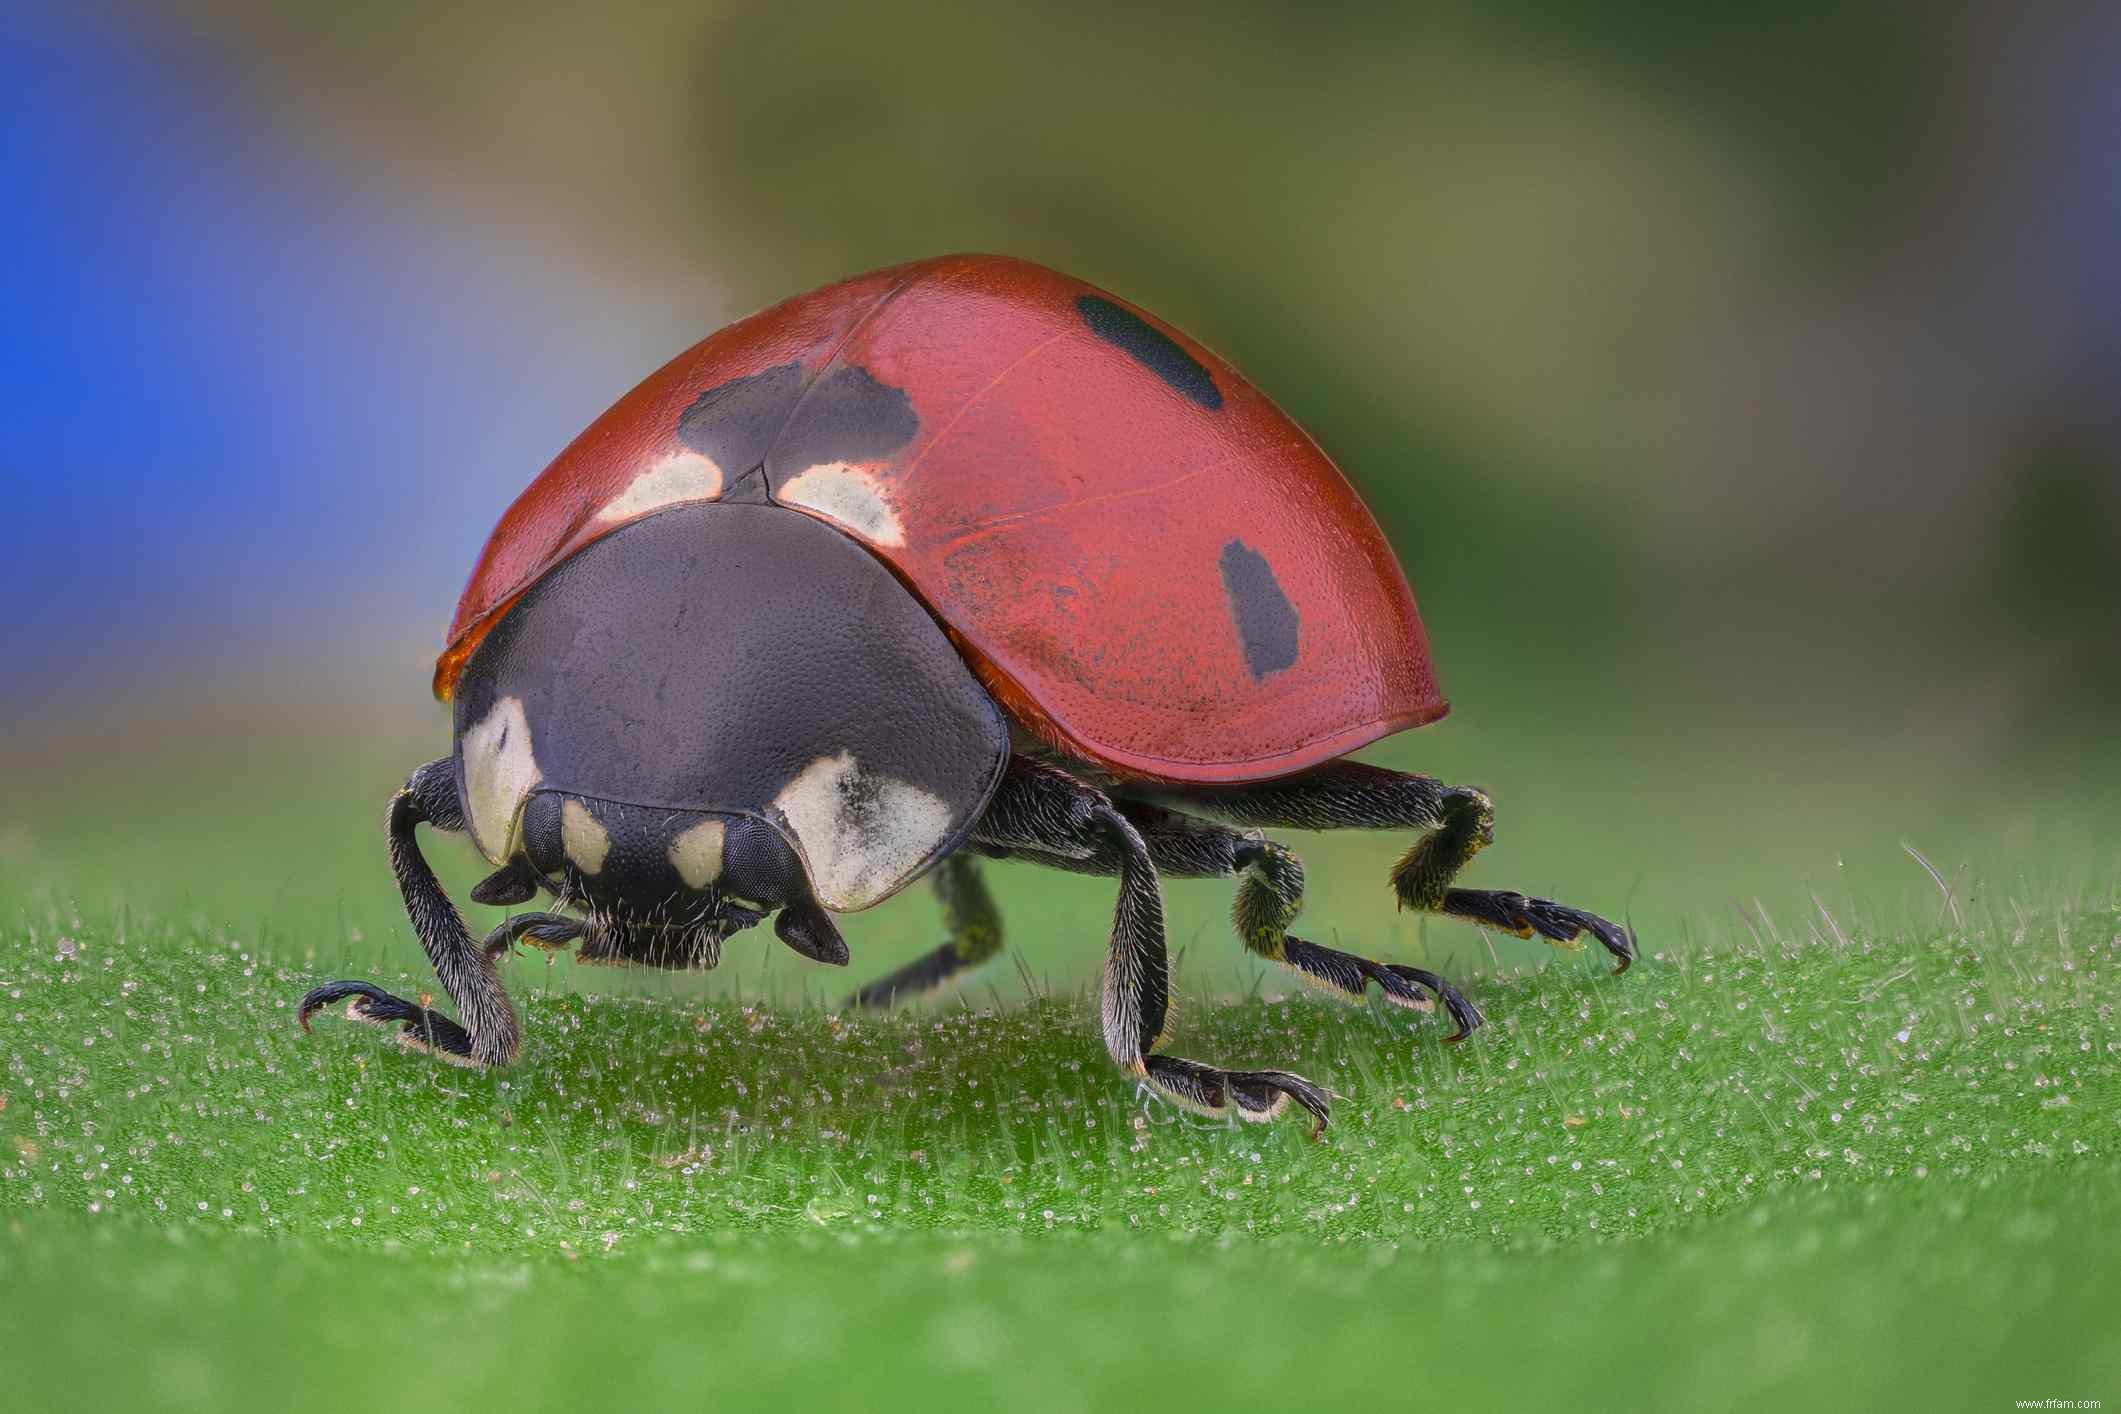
(489, 1034)
(972, 923)
(1459, 823)
(1042, 814)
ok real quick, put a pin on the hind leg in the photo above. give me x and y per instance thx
(1457, 823)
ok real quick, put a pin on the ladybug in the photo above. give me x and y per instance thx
(955, 561)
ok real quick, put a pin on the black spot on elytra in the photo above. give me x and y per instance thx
(846, 416)
(1150, 347)
(733, 424)
(1266, 620)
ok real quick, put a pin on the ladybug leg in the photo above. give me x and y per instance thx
(488, 1033)
(1042, 814)
(970, 918)
(1459, 823)
(1268, 901)
(1422, 879)
(420, 1029)
(1269, 898)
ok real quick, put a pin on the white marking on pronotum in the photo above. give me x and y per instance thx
(697, 854)
(499, 773)
(847, 493)
(584, 836)
(677, 478)
(862, 832)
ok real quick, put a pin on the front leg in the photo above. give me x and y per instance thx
(1048, 815)
(488, 1033)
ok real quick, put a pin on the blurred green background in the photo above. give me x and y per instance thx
(1737, 386)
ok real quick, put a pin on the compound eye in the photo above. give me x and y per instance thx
(759, 866)
(543, 842)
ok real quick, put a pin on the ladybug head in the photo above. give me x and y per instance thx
(665, 887)
(694, 873)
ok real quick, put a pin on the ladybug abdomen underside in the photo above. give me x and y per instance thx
(1138, 552)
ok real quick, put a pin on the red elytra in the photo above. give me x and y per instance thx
(1142, 557)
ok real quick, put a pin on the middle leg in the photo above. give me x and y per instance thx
(1269, 896)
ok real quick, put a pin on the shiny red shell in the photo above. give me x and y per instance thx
(1145, 561)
